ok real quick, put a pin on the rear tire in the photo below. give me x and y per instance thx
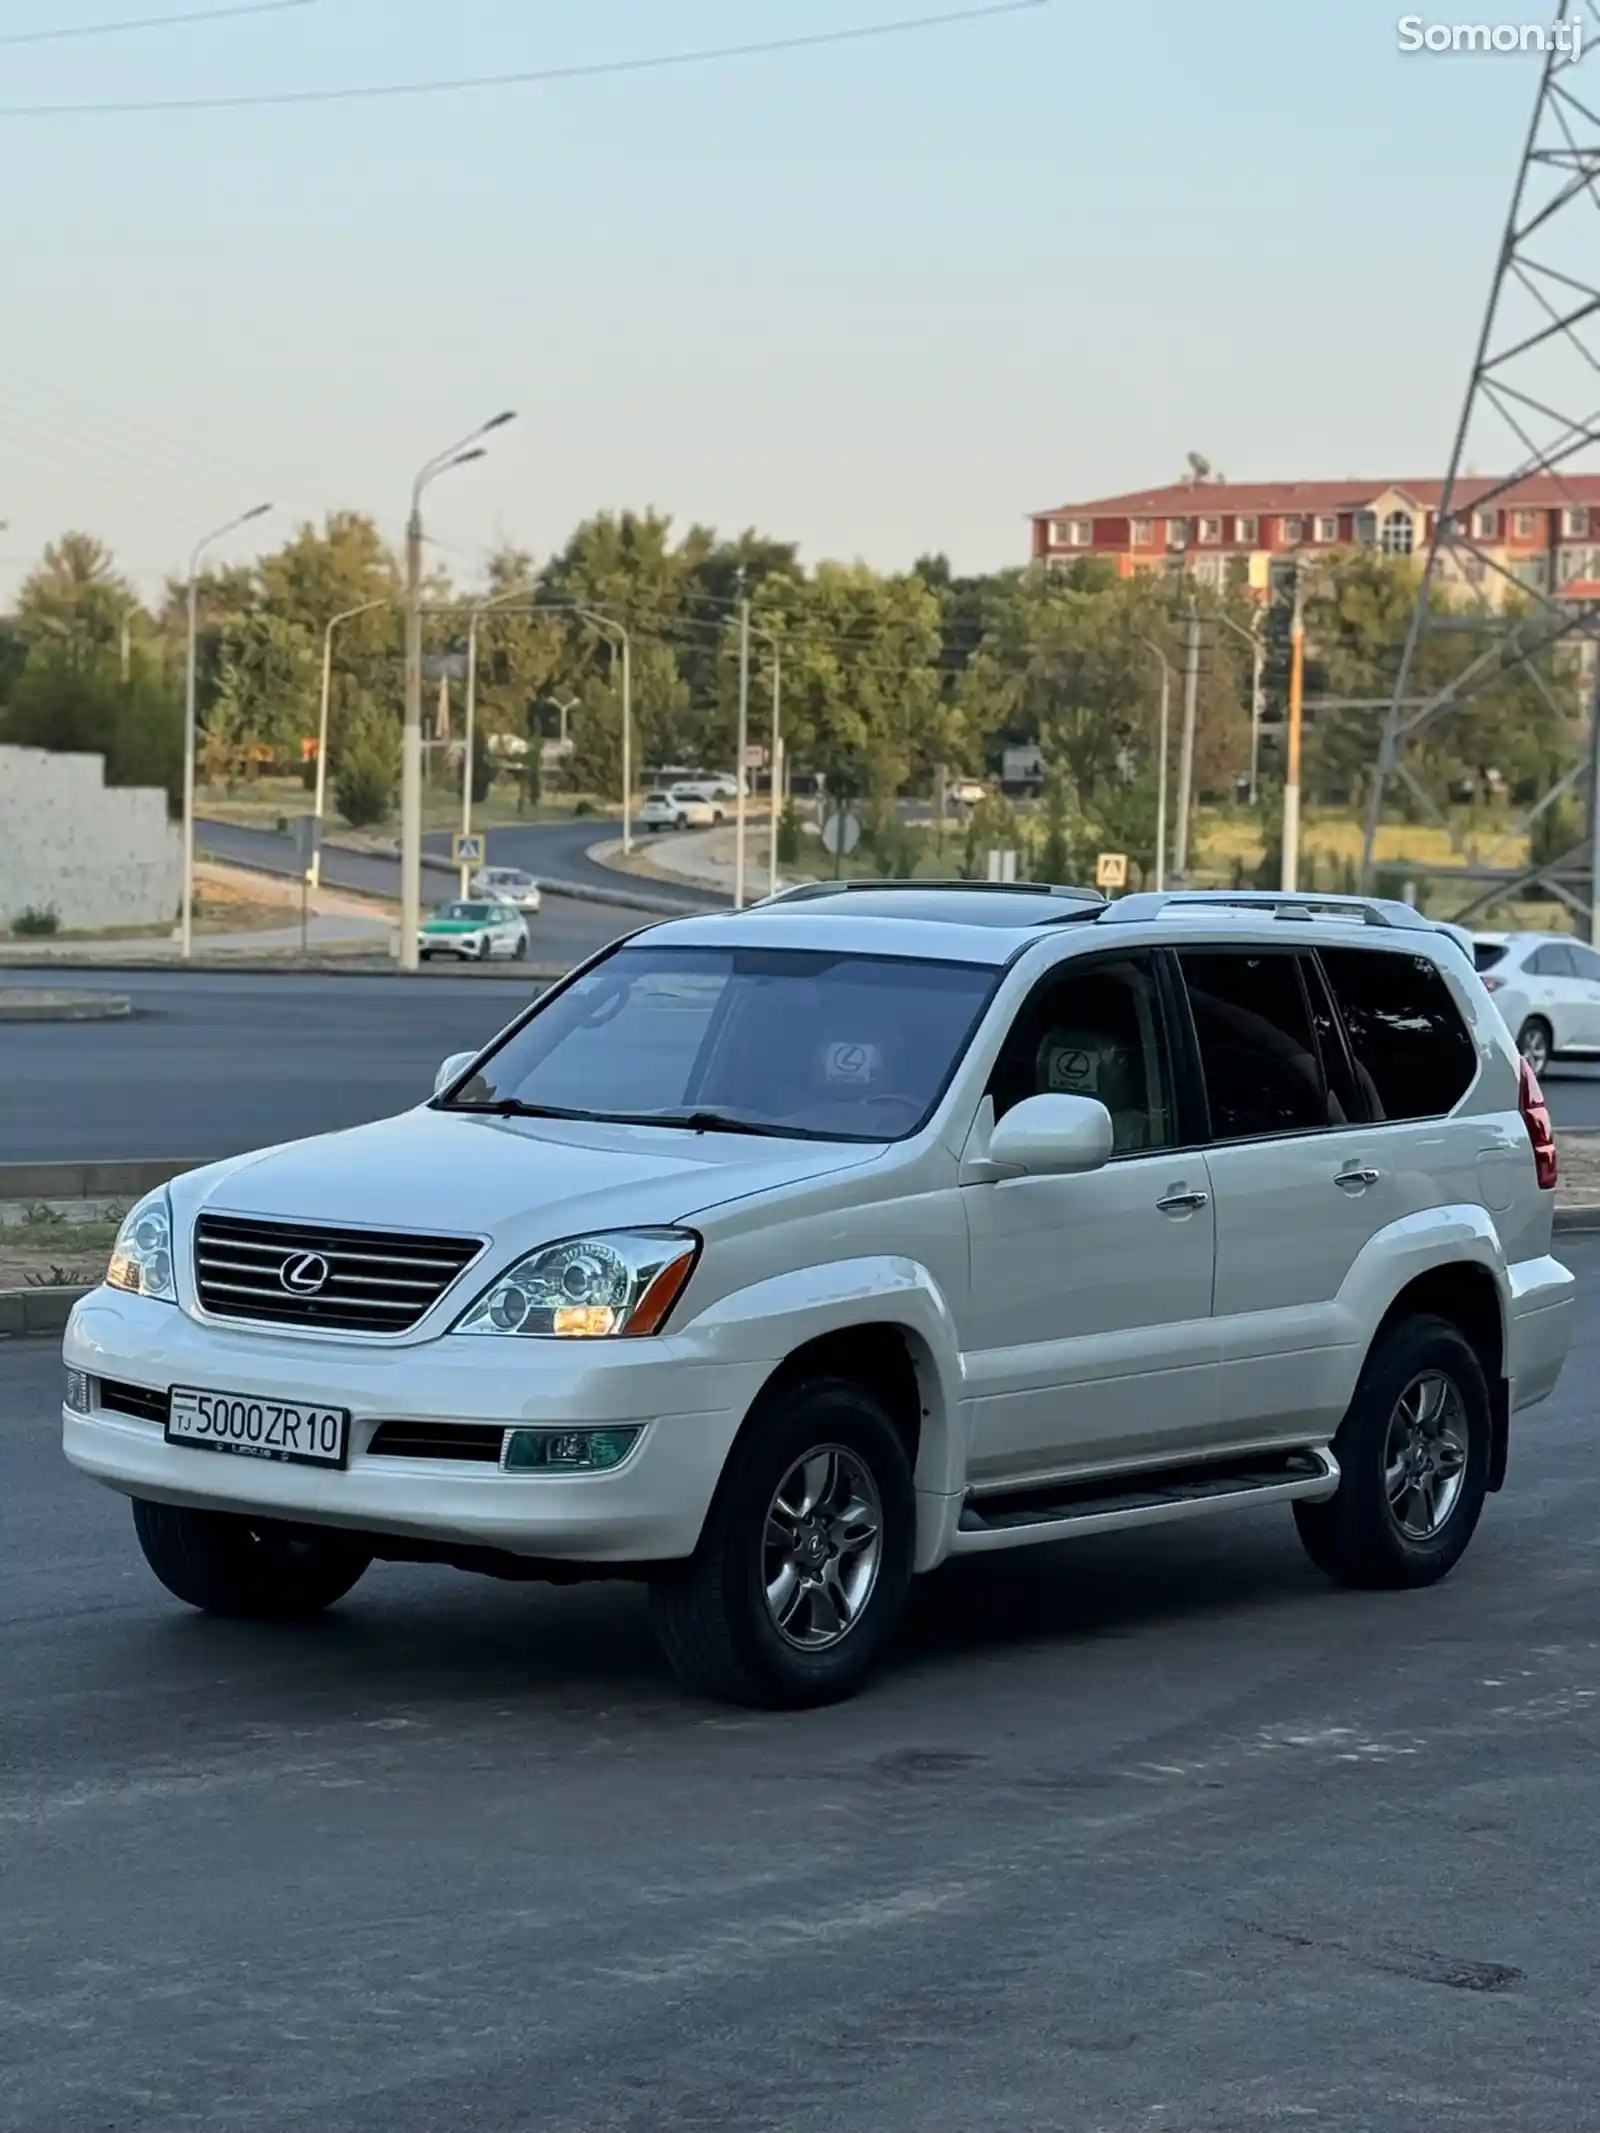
(484, 949)
(1413, 1455)
(781, 1608)
(1536, 1043)
(519, 953)
(255, 1569)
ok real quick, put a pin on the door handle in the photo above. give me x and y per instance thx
(1357, 1180)
(1183, 1203)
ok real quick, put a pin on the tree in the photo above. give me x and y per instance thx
(76, 599)
(367, 771)
(137, 724)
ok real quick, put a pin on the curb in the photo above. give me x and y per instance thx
(24, 1311)
(1579, 1221)
(93, 1181)
(17, 1005)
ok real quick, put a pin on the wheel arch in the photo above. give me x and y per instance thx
(1465, 1293)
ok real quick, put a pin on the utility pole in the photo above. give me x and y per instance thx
(1191, 701)
(1163, 754)
(775, 773)
(191, 721)
(743, 751)
(411, 746)
(1593, 651)
(320, 803)
(1291, 778)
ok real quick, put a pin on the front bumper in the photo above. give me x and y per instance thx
(651, 1508)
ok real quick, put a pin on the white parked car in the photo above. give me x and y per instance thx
(776, 1257)
(675, 810)
(474, 931)
(708, 793)
(966, 792)
(1547, 988)
(508, 885)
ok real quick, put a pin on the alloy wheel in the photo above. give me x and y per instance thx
(822, 1547)
(1425, 1455)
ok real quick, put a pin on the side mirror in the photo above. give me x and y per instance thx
(1053, 1136)
(452, 1070)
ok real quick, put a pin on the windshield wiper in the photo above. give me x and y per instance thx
(514, 1107)
(707, 1122)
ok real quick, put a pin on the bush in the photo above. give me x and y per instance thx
(788, 837)
(36, 924)
(368, 771)
(584, 807)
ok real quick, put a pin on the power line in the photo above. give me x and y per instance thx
(584, 71)
(152, 22)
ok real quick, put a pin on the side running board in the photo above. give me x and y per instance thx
(1060, 1511)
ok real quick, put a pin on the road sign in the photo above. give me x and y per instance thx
(466, 851)
(1001, 865)
(1111, 870)
(841, 833)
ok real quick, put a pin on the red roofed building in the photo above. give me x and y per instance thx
(1544, 531)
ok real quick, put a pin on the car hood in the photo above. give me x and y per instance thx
(520, 1181)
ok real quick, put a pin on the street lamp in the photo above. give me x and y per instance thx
(1258, 660)
(482, 607)
(772, 638)
(624, 638)
(1161, 765)
(459, 455)
(319, 805)
(191, 670)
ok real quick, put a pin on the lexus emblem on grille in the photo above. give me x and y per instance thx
(305, 1274)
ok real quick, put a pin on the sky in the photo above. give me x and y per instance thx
(882, 298)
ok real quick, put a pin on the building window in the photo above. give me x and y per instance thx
(1327, 525)
(1211, 531)
(1530, 572)
(1071, 532)
(1399, 534)
(1247, 531)
(1142, 533)
(1291, 531)
(1522, 525)
(1177, 532)
(1575, 520)
(1485, 525)
(1208, 570)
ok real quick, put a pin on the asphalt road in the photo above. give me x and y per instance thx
(1153, 1835)
(212, 1063)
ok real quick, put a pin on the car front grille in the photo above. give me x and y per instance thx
(335, 1280)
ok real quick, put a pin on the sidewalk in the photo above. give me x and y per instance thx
(337, 923)
(700, 858)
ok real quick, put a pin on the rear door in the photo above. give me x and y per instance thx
(1299, 1181)
(1329, 1078)
(1553, 988)
(1586, 1003)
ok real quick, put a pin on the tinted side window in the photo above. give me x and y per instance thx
(1551, 962)
(1585, 963)
(1258, 1052)
(1487, 953)
(1094, 1031)
(1414, 1055)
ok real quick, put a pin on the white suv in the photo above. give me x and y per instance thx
(775, 1257)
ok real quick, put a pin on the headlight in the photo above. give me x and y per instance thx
(589, 1288)
(141, 1260)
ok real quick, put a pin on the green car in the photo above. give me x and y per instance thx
(474, 932)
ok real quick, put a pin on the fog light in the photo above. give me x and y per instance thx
(567, 1451)
(80, 1392)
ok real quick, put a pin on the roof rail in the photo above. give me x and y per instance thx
(1279, 903)
(812, 891)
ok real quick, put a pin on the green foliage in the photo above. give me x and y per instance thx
(366, 773)
(789, 837)
(37, 923)
(530, 774)
(483, 766)
(137, 725)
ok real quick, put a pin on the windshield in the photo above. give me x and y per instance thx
(1485, 954)
(784, 1041)
(475, 912)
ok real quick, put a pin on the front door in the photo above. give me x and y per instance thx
(1089, 1336)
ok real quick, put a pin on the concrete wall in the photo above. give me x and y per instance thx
(102, 857)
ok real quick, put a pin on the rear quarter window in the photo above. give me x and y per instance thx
(1414, 1055)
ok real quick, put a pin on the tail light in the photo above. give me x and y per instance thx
(1536, 1117)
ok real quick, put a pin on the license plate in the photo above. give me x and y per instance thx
(258, 1429)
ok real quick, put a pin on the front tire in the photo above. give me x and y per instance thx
(803, 1569)
(1536, 1043)
(1413, 1454)
(519, 953)
(255, 1569)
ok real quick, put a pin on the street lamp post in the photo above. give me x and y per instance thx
(775, 771)
(459, 454)
(624, 638)
(1163, 749)
(1258, 661)
(320, 804)
(190, 720)
(482, 608)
